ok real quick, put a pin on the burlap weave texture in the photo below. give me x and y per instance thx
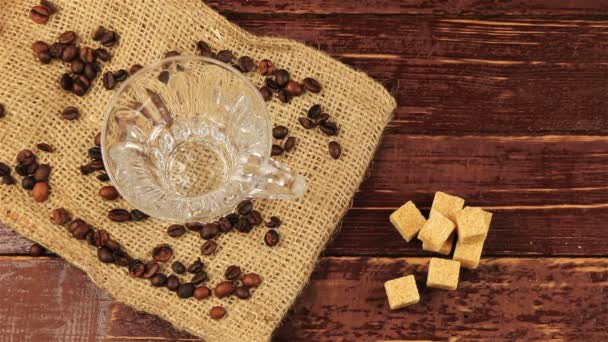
(148, 29)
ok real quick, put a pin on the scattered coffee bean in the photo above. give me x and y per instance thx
(178, 267)
(79, 88)
(245, 207)
(121, 75)
(40, 14)
(225, 224)
(121, 258)
(77, 223)
(70, 113)
(40, 46)
(196, 267)
(158, 280)
(266, 67)
(290, 143)
(28, 182)
(77, 66)
(138, 215)
(26, 157)
(312, 85)
(172, 54)
(223, 289)
(274, 222)
(322, 118)
(233, 218)
(112, 244)
(284, 96)
(136, 268)
(173, 283)
(150, 269)
(31, 169)
(119, 215)
(243, 225)
(66, 82)
(88, 55)
(96, 164)
(67, 37)
(276, 150)
(246, 64)
(306, 122)
(272, 85)
(94, 152)
(36, 250)
(5, 170)
(280, 132)
(109, 82)
(242, 292)
(251, 280)
(176, 230)
(335, 150)
(56, 50)
(81, 231)
(45, 57)
(90, 71)
(60, 216)
(294, 88)
(209, 231)
(225, 56)
(99, 33)
(108, 193)
(2, 111)
(232, 272)
(97, 139)
(49, 5)
(281, 76)
(42, 173)
(203, 49)
(266, 93)
(199, 278)
(102, 54)
(162, 253)
(209, 247)
(105, 255)
(194, 226)
(40, 192)
(135, 68)
(255, 218)
(185, 290)
(217, 312)
(164, 76)
(45, 147)
(329, 128)
(103, 177)
(109, 38)
(271, 238)
(69, 53)
(314, 111)
(100, 238)
(202, 292)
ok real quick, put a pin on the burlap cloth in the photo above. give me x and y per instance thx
(148, 29)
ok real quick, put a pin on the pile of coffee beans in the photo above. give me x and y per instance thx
(35, 176)
(315, 117)
(280, 133)
(41, 13)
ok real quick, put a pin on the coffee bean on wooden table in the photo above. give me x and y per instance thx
(199, 278)
(42, 173)
(329, 128)
(243, 225)
(209, 247)
(164, 76)
(150, 269)
(266, 67)
(178, 267)
(138, 215)
(135, 68)
(280, 132)
(136, 268)
(105, 255)
(45, 147)
(223, 289)
(36, 250)
(28, 182)
(244, 207)
(158, 280)
(276, 150)
(251, 280)
(335, 150)
(294, 88)
(69, 53)
(70, 113)
(217, 312)
(103, 177)
(225, 56)
(274, 222)
(40, 14)
(103, 54)
(119, 215)
(224, 224)
(185, 290)
(176, 230)
(66, 82)
(232, 272)
(242, 292)
(121, 75)
(306, 122)
(162, 253)
(202, 292)
(203, 49)
(290, 143)
(271, 238)
(266, 93)
(40, 192)
(67, 37)
(109, 82)
(312, 85)
(60, 216)
(255, 218)
(108, 193)
(173, 283)
(209, 231)
(281, 76)
(196, 267)
(246, 64)
(194, 226)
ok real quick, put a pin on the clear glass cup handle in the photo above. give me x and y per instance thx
(274, 180)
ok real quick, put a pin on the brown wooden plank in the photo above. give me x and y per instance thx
(445, 7)
(505, 299)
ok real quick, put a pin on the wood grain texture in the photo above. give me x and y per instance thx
(505, 299)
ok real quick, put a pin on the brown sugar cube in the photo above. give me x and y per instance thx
(446, 248)
(401, 292)
(443, 274)
(448, 205)
(408, 220)
(473, 225)
(468, 253)
(436, 231)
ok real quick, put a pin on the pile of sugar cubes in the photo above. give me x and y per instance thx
(448, 221)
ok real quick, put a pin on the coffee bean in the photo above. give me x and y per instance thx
(243, 225)
(56, 50)
(232, 272)
(271, 238)
(233, 218)
(88, 55)
(294, 88)
(67, 37)
(335, 150)
(162, 252)
(173, 283)
(209, 247)
(246, 64)
(255, 218)
(103, 54)
(79, 89)
(45, 57)
(138, 215)
(276, 150)
(103, 177)
(209, 231)
(96, 165)
(225, 56)
(49, 5)
(178, 267)
(66, 82)
(36, 250)
(94, 152)
(280, 132)
(185, 290)
(136, 269)
(274, 222)
(81, 231)
(176, 230)
(244, 207)
(60, 216)
(158, 280)
(314, 111)
(42, 173)
(164, 76)
(266, 94)
(251, 280)
(108, 38)
(329, 128)
(90, 71)
(203, 49)
(75, 225)
(31, 169)
(312, 85)
(150, 269)
(223, 289)
(135, 68)
(121, 258)
(26, 157)
(2, 111)
(266, 67)
(217, 312)
(28, 182)
(109, 82)
(202, 292)
(196, 267)
(121, 75)
(40, 14)
(40, 192)
(69, 53)
(83, 82)
(289, 145)
(97, 139)
(284, 96)
(70, 113)
(112, 244)
(225, 224)
(105, 255)
(40, 46)
(108, 193)
(45, 147)
(306, 122)
(101, 238)
(242, 292)
(199, 278)
(99, 33)
(272, 85)
(5, 170)
(323, 117)
(194, 226)
(281, 76)
(119, 215)
(77, 66)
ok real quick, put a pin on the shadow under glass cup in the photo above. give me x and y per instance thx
(187, 138)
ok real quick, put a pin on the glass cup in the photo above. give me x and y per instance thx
(187, 138)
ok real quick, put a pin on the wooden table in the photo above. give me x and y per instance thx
(502, 102)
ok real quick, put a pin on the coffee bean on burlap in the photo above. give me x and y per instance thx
(97, 139)
(255, 218)
(60, 216)
(28, 182)
(223, 289)
(87, 55)
(266, 93)
(45, 57)
(322, 118)
(42, 173)
(150, 269)
(119, 215)
(8, 180)
(232, 272)
(69, 53)
(203, 49)
(281, 76)
(176, 230)
(135, 68)
(26, 157)
(103, 177)
(162, 252)
(40, 14)
(158, 280)
(217, 312)
(314, 111)
(225, 56)
(243, 225)
(271, 238)
(209, 247)
(244, 207)
(5, 170)
(103, 54)
(40, 46)
(96, 164)
(164, 76)
(194, 226)
(185, 290)
(100, 238)
(209, 231)
(138, 215)
(108, 193)
(306, 122)
(136, 268)
(56, 50)
(276, 150)
(266, 67)
(242, 292)
(41, 191)
(109, 82)
(294, 88)
(178, 267)
(335, 150)
(173, 283)
(66, 82)
(280, 132)
(45, 147)
(196, 267)
(199, 278)
(202, 292)
(90, 71)
(233, 218)
(329, 128)
(274, 222)
(246, 64)
(312, 85)
(49, 5)
(105, 255)
(121, 75)
(67, 37)
(272, 85)
(109, 38)
(2, 111)
(290, 143)
(284, 96)
(224, 224)
(251, 280)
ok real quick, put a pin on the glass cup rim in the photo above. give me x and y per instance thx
(153, 66)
